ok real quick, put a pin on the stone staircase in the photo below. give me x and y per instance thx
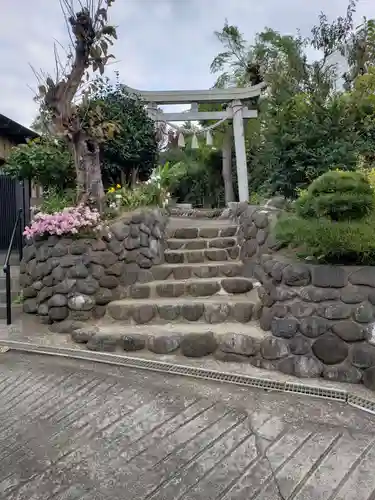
(200, 282)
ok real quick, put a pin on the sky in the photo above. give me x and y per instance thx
(162, 44)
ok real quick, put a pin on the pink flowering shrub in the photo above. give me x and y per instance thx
(70, 221)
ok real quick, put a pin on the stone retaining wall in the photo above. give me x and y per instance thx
(325, 314)
(254, 234)
(63, 277)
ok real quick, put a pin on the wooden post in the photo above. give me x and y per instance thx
(239, 142)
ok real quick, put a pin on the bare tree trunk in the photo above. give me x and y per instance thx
(123, 178)
(89, 175)
(134, 178)
(89, 33)
(227, 166)
(96, 183)
(77, 147)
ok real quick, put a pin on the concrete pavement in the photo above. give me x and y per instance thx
(77, 430)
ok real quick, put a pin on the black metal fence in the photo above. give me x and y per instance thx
(13, 196)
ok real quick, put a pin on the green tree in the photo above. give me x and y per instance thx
(132, 153)
(361, 102)
(305, 125)
(237, 66)
(308, 139)
(280, 62)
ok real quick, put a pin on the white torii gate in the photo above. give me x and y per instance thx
(236, 111)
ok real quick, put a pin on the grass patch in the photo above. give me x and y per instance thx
(337, 242)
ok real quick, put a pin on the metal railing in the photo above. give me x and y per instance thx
(6, 267)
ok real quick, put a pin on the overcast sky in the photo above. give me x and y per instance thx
(162, 44)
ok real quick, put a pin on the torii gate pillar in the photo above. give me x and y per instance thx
(240, 147)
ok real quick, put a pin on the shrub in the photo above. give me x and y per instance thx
(369, 173)
(70, 221)
(255, 199)
(55, 201)
(46, 161)
(350, 241)
(147, 194)
(337, 195)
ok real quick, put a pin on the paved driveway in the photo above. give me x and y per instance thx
(71, 430)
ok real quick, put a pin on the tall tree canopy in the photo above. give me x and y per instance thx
(308, 123)
(132, 152)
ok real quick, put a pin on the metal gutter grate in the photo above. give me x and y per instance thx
(320, 392)
(338, 395)
(361, 403)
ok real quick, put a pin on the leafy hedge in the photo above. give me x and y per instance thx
(334, 220)
(337, 195)
(45, 160)
(351, 242)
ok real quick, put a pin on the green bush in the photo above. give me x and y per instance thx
(55, 201)
(338, 196)
(341, 242)
(146, 194)
(44, 160)
(143, 195)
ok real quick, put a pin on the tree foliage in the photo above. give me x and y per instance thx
(133, 150)
(308, 138)
(307, 124)
(44, 160)
(194, 173)
(236, 63)
(337, 195)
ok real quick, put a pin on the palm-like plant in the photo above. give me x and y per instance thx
(237, 67)
(237, 63)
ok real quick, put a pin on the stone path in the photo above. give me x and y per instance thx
(81, 431)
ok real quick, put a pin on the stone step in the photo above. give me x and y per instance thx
(199, 270)
(195, 231)
(226, 341)
(217, 309)
(200, 243)
(195, 287)
(250, 329)
(195, 256)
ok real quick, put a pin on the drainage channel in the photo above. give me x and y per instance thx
(338, 395)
